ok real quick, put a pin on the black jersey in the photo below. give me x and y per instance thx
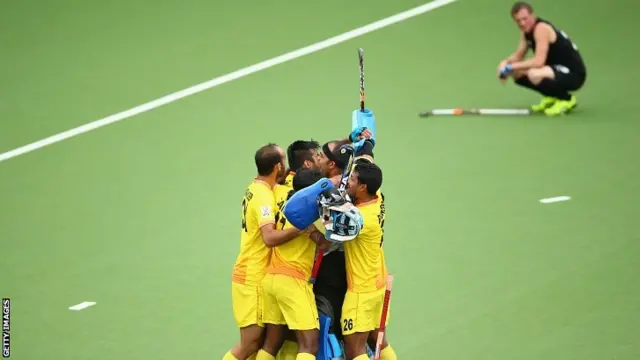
(562, 52)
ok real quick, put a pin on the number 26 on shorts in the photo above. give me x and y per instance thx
(347, 324)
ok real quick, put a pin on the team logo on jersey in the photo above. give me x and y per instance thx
(265, 210)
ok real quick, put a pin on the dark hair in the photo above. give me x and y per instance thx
(369, 174)
(336, 156)
(303, 178)
(300, 151)
(519, 6)
(267, 157)
(361, 161)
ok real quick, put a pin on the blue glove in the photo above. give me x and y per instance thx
(355, 133)
(506, 70)
(364, 120)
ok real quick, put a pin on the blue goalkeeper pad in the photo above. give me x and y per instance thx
(329, 347)
(301, 210)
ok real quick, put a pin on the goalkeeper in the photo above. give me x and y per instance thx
(331, 282)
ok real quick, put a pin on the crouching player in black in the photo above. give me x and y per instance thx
(555, 70)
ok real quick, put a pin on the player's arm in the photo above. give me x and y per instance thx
(317, 237)
(273, 237)
(264, 210)
(541, 34)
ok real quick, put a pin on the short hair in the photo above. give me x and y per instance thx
(519, 6)
(300, 151)
(362, 160)
(369, 174)
(306, 177)
(267, 157)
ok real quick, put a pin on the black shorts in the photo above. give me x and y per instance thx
(331, 283)
(570, 80)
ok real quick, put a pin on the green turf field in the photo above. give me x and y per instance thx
(143, 216)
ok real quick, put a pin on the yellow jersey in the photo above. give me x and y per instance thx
(364, 257)
(258, 209)
(288, 180)
(294, 258)
(281, 192)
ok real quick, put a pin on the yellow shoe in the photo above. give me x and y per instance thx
(562, 107)
(546, 103)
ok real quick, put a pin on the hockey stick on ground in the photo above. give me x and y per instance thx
(459, 111)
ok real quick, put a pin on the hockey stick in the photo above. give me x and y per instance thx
(383, 318)
(347, 169)
(361, 61)
(316, 265)
(459, 111)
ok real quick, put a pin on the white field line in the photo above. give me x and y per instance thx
(555, 199)
(83, 305)
(167, 99)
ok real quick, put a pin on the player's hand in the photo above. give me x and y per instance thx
(501, 66)
(359, 133)
(324, 244)
(505, 71)
(311, 229)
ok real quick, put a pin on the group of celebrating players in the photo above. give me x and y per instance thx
(274, 302)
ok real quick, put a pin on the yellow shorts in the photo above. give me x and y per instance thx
(289, 301)
(362, 312)
(247, 304)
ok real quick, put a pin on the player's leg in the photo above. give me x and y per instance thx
(566, 81)
(357, 322)
(251, 338)
(289, 349)
(523, 79)
(552, 82)
(331, 284)
(386, 351)
(247, 310)
(273, 319)
(274, 338)
(301, 314)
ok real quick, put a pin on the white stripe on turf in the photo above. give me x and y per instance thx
(167, 99)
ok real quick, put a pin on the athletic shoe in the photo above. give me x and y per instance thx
(546, 103)
(562, 107)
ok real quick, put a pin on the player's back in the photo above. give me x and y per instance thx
(258, 206)
(365, 263)
(561, 52)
